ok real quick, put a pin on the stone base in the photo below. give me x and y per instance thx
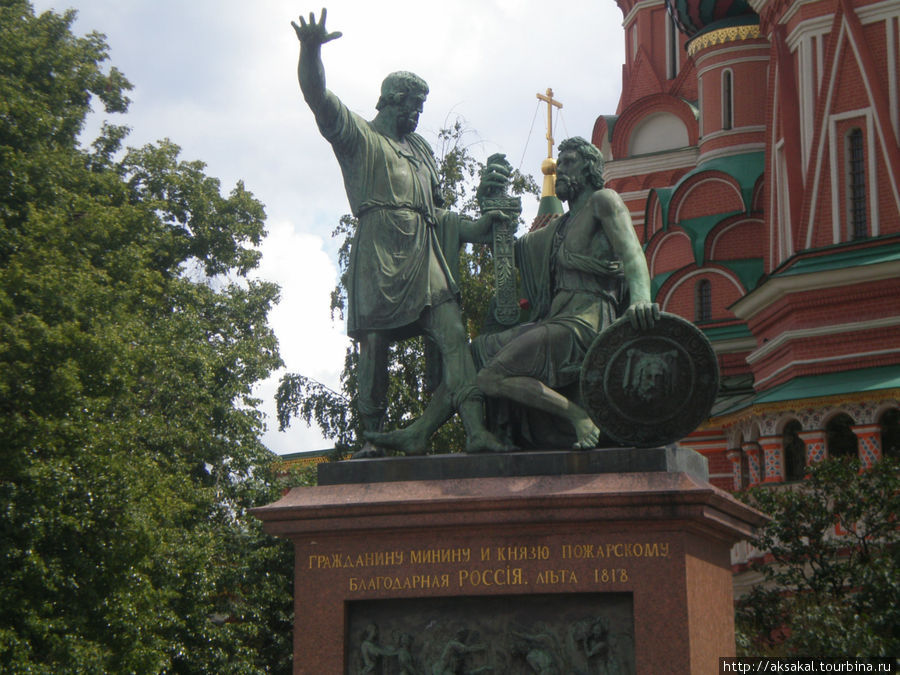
(543, 463)
(582, 572)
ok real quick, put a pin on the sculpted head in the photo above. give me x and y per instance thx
(403, 93)
(580, 167)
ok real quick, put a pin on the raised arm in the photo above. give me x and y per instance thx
(310, 70)
(609, 208)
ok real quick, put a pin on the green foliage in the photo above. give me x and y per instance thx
(130, 341)
(827, 595)
(409, 387)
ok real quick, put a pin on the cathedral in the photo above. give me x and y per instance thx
(756, 146)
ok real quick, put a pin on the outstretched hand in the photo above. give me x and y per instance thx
(313, 33)
(643, 314)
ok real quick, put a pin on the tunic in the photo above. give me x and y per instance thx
(397, 268)
(573, 297)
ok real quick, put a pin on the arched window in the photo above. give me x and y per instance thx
(727, 100)
(839, 437)
(890, 434)
(703, 304)
(856, 185)
(794, 451)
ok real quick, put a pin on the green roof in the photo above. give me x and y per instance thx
(665, 196)
(841, 258)
(657, 282)
(745, 169)
(833, 384)
(748, 270)
(610, 125)
(698, 228)
(716, 333)
(549, 205)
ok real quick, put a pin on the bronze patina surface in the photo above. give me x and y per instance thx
(650, 386)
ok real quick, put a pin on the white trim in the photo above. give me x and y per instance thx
(731, 62)
(734, 345)
(817, 176)
(809, 29)
(637, 194)
(808, 91)
(782, 221)
(891, 45)
(880, 11)
(774, 233)
(638, 6)
(827, 359)
(839, 174)
(702, 270)
(700, 116)
(659, 247)
(685, 158)
(820, 331)
(724, 230)
(778, 287)
(795, 6)
(880, 126)
(711, 179)
(749, 129)
(634, 42)
(672, 33)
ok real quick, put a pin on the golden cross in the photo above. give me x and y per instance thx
(548, 98)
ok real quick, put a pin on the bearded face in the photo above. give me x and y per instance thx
(568, 187)
(408, 111)
(570, 176)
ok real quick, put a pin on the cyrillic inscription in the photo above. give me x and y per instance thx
(518, 572)
(619, 550)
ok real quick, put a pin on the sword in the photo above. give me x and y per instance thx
(492, 195)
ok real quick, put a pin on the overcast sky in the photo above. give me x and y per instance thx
(218, 77)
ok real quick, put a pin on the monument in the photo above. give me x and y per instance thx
(562, 558)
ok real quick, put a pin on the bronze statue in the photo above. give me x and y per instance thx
(573, 272)
(577, 273)
(400, 284)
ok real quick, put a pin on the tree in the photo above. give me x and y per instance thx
(410, 382)
(832, 577)
(130, 339)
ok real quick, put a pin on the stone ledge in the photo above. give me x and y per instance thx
(543, 463)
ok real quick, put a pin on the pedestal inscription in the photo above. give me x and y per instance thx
(414, 574)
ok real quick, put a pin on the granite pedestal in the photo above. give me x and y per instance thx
(582, 562)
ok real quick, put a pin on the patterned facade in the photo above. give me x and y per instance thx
(756, 146)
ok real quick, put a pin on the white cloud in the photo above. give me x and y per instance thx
(310, 342)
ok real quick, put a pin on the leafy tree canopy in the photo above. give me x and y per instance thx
(831, 582)
(130, 339)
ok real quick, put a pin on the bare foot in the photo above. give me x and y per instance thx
(587, 435)
(401, 440)
(485, 441)
(368, 451)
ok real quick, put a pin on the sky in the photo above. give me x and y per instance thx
(218, 78)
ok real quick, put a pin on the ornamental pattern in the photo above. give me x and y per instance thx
(723, 36)
(815, 449)
(751, 450)
(869, 446)
(772, 452)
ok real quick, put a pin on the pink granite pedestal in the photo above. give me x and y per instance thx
(657, 540)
